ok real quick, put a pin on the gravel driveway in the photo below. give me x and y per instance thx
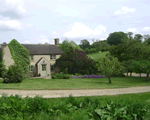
(75, 93)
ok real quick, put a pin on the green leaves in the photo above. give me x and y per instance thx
(109, 66)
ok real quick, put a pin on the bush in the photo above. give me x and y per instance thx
(60, 76)
(14, 75)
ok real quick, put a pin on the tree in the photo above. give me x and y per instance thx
(130, 35)
(76, 61)
(116, 38)
(84, 44)
(65, 46)
(146, 37)
(147, 41)
(138, 37)
(109, 66)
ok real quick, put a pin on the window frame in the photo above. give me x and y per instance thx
(52, 57)
(45, 67)
(31, 57)
(32, 69)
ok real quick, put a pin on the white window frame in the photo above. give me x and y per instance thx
(53, 57)
(32, 67)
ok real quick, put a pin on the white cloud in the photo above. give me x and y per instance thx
(27, 41)
(10, 25)
(81, 30)
(134, 30)
(43, 39)
(146, 29)
(125, 10)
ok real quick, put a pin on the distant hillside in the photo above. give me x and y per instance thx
(98, 55)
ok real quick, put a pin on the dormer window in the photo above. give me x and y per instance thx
(53, 57)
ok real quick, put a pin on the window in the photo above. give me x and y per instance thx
(53, 57)
(31, 57)
(43, 67)
(52, 67)
(32, 68)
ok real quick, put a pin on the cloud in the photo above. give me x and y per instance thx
(68, 11)
(27, 41)
(146, 29)
(13, 9)
(134, 30)
(81, 30)
(125, 10)
(43, 39)
(6, 25)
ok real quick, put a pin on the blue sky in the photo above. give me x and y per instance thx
(40, 21)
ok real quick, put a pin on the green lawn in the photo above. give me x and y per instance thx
(79, 83)
(98, 55)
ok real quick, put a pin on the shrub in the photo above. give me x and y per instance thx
(14, 75)
(61, 76)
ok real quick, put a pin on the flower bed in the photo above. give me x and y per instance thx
(88, 76)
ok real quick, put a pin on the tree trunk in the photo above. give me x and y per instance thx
(140, 75)
(130, 74)
(147, 77)
(127, 73)
(109, 80)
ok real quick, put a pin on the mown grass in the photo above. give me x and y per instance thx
(98, 55)
(118, 107)
(76, 83)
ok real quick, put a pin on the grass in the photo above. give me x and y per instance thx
(98, 55)
(142, 97)
(79, 83)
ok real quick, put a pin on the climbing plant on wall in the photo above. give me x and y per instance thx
(21, 57)
(3, 70)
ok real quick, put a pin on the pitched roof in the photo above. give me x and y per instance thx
(38, 49)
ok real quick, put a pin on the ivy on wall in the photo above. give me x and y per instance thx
(3, 70)
(21, 56)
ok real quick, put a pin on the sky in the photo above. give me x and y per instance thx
(40, 21)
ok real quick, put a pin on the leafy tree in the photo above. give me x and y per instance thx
(65, 46)
(116, 38)
(147, 41)
(109, 66)
(146, 37)
(138, 37)
(76, 61)
(130, 35)
(84, 44)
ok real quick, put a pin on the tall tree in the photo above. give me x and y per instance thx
(130, 35)
(84, 44)
(138, 37)
(146, 37)
(116, 38)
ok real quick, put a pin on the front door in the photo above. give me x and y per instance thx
(44, 73)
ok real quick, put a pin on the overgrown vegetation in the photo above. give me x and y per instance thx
(85, 108)
(3, 70)
(21, 57)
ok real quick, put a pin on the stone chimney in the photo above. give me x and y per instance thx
(57, 41)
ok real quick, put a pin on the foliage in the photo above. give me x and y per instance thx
(116, 38)
(76, 61)
(21, 57)
(130, 49)
(138, 37)
(65, 46)
(14, 75)
(3, 70)
(71, 108)
(109, 66)
(60, 76)
(84, 44)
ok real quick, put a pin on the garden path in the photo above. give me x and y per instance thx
(75, 93)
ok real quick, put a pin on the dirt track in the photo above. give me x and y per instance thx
(66, 93)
